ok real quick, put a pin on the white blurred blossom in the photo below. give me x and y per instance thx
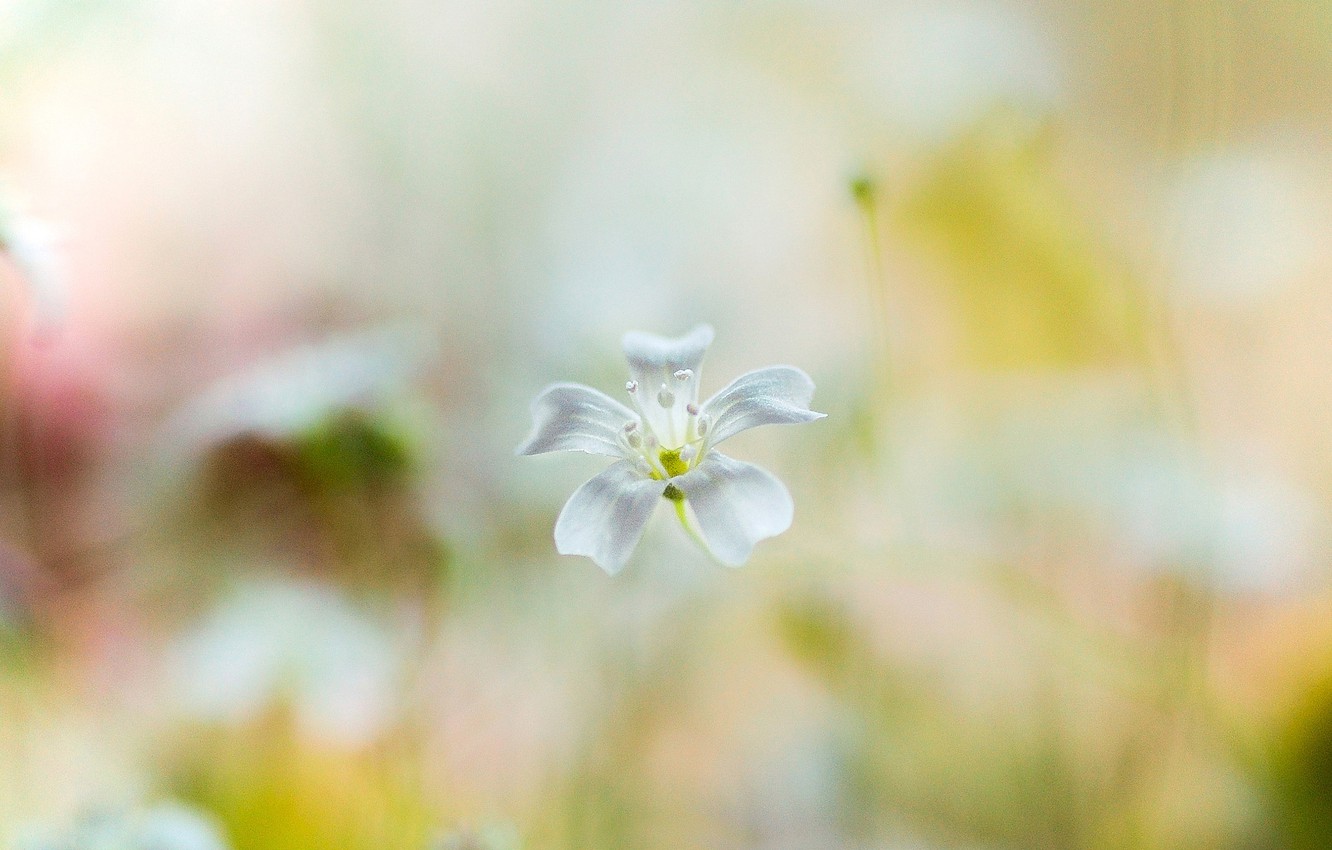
(1241, 225)
(297, 390)
(34, 248)
(1231, 521)
(301, 642)
(162, 827)
(937, 67)
(490, 837)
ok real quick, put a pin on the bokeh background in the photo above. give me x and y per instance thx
(281, 278)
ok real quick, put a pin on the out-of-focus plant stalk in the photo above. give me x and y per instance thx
(888, 385)
(887, 347)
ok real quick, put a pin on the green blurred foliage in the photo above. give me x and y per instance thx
(608, 797)
(913, 758)
(1016, 772)
(354, 452)
(342, 494)
(1300, 761)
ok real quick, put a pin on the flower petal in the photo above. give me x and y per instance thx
(575, 418)
(736, 504)
(776, 395)
(654, 360)
(604, 518)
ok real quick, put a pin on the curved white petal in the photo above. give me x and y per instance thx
(776, 395)
(604, 518)
(653, 359)
(653, 362)
(736, 504)
(576, 418)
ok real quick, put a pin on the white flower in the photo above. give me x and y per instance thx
(666, 450)
(302, 642)
(163, 827)
(293, 392)
(493, 837)
(35, 249)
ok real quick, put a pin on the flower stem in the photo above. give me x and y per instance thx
(688, 526)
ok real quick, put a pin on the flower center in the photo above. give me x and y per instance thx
(672, 462)
(670, 434)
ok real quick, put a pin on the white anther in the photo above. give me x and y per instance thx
(684, 374)
(651, 440)
(630, 426)
(634, 439)
(688, 452)
(665, 397)
(631, 386)
(703, 423)
(692, 408)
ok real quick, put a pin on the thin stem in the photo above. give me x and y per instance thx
(688, 526)
(865, 193)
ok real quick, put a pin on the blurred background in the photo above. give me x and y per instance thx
(281, 278)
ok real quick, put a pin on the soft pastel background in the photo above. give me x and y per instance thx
(284, 276)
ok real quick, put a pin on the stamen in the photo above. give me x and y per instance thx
(665, 397)
(684, 374)
(703, 423)
(692, 408)
(631, 386)
(688, 452)
(651, 440)
(631, 435)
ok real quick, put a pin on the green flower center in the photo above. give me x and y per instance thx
(672, 462)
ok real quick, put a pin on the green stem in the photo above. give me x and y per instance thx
(688, 526)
